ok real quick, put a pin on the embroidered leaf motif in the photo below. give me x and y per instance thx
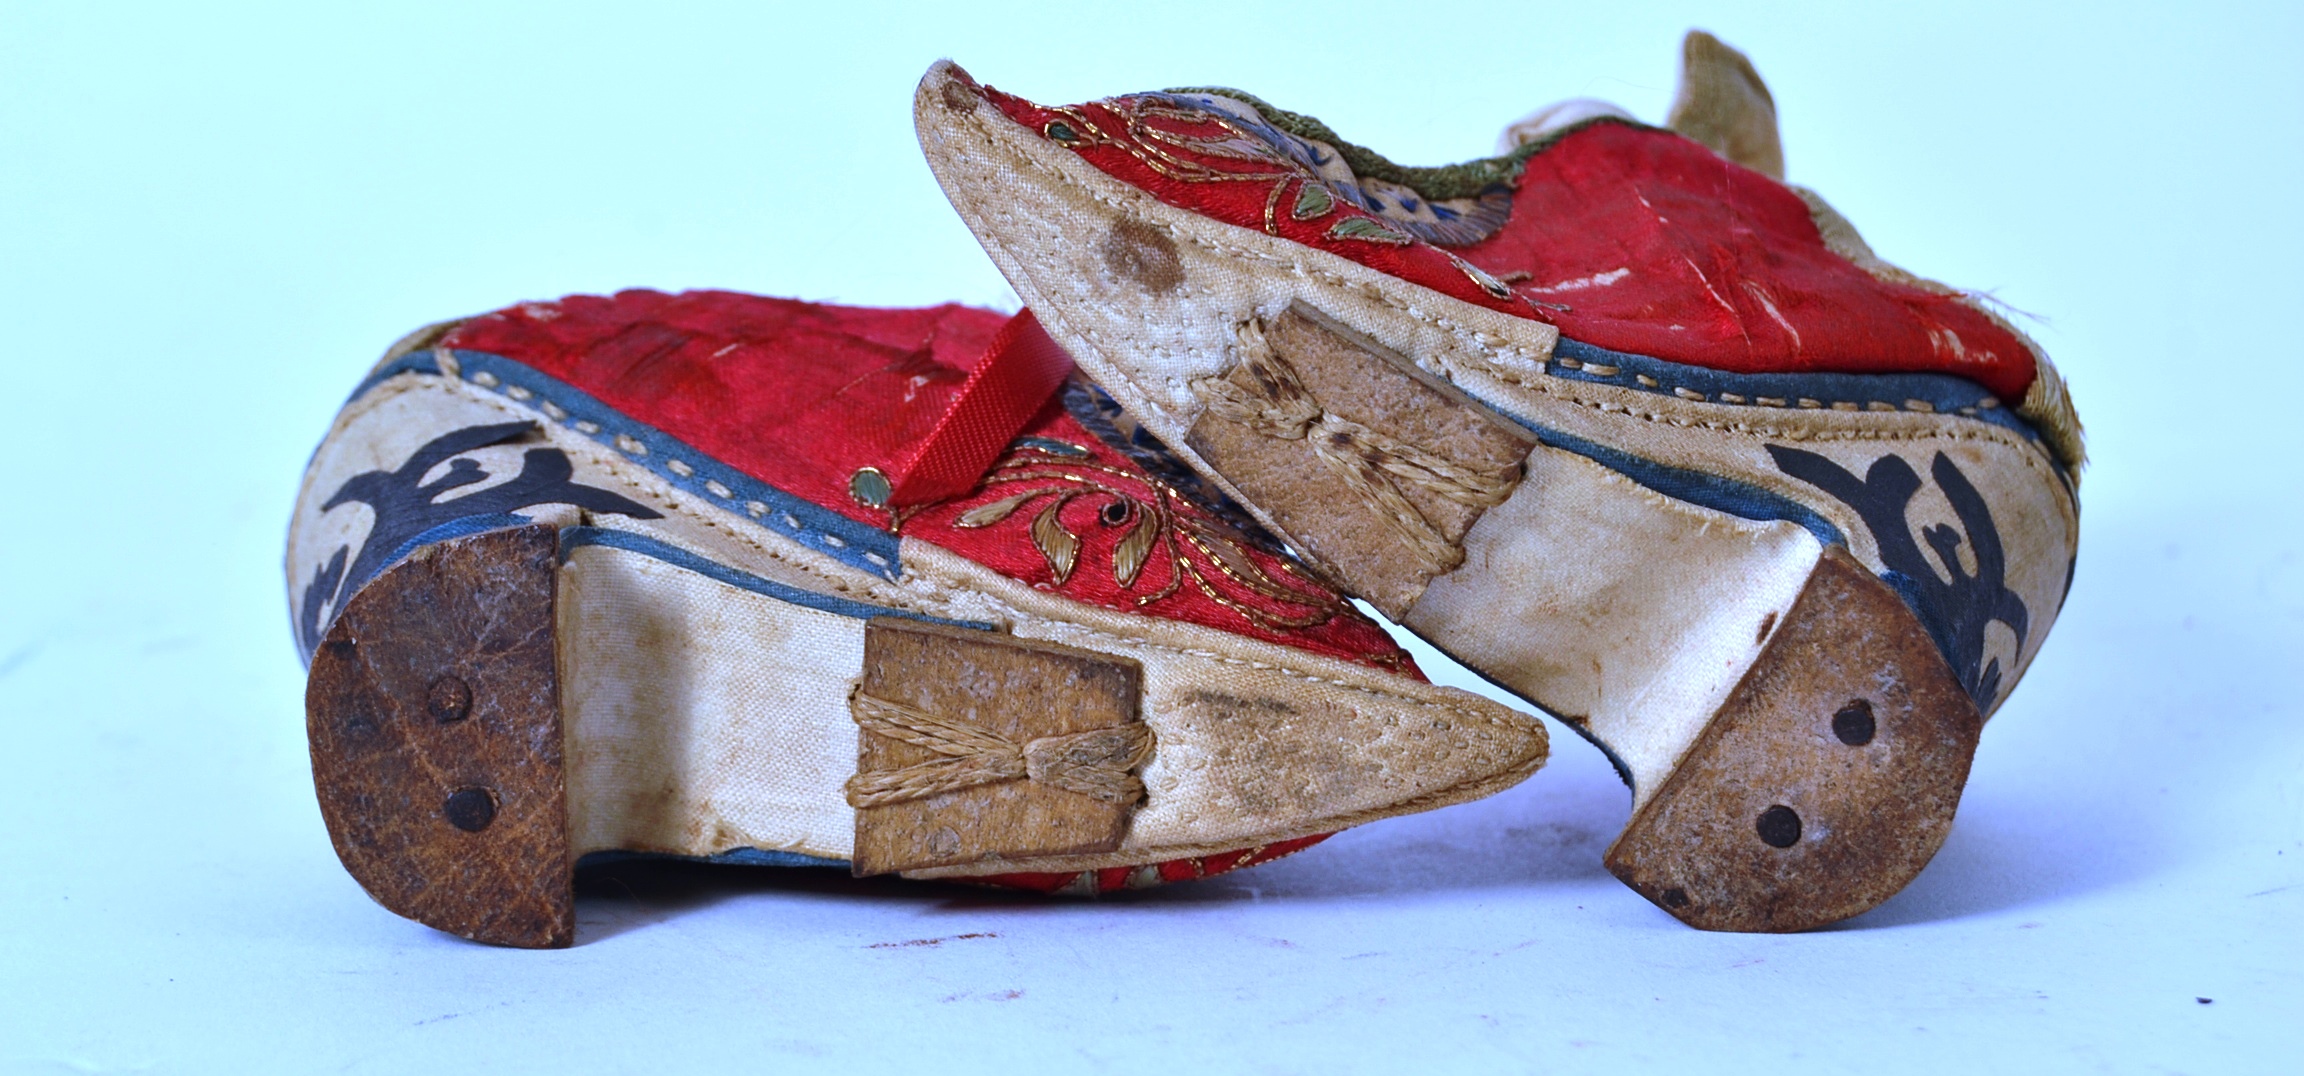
(1234, 561)
(985, 515)
(1134, 549)
(1312, 200)
(1202, 556)
(1060, 546)
(1367, 230)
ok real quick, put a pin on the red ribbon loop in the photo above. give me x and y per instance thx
(1021, 369)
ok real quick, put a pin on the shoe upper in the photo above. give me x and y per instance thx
(1786, 374)
(801, 396)
(1627, 237)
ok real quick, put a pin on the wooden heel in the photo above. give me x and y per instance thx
(433, 708)
(1827, 780)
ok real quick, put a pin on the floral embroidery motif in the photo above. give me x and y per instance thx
(1368, 230)
(1164, 545)
(1204, 138)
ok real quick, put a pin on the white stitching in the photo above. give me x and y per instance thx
(634, 447)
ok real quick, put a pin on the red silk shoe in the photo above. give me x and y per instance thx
(764, 581)
(1617, 418)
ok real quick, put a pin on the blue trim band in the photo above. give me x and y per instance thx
(742, 857)
(857, 544)
(454, 528)
(415, 362)
(1944, 394)
(575, 538)
(1740, 499)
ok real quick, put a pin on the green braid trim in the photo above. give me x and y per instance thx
(1439, 184)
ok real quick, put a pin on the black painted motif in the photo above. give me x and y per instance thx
(1955, 611)
(407, 507)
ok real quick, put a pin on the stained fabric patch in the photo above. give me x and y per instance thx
(1740, 499)
(1955, 612)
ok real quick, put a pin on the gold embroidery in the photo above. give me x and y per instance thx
(1169, 153)
(1144, 127)
(1197, 550)
(1481, 277)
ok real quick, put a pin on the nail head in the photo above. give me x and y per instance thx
(470, 809)
(1854, 724)
(449, 699)
(1779, 826)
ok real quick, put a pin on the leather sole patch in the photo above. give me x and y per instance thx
(975, 745)
(433, 710)
(1374, 468)
(1826, 781)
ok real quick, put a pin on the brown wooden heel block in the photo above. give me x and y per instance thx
(1826, 782)
(1351, 378)
(433, 708)
(977, 744)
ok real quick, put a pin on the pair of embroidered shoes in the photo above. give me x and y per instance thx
(1616, 418)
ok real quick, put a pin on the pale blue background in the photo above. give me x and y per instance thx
(211, 222)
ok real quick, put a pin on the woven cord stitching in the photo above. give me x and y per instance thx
(1370, 463)
(1097, 763)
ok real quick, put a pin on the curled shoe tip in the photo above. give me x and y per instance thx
(948, 86)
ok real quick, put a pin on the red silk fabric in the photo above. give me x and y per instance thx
(1114, 879)
(1629, 238)
(1019, 372)
(1717, 265)
(798, 395)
